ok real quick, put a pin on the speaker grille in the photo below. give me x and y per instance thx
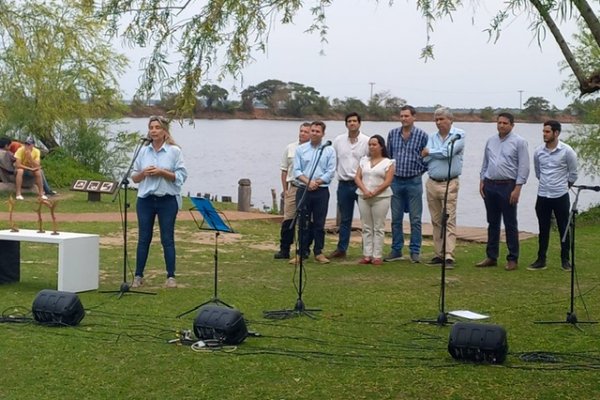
(52, 307)
(478, 342)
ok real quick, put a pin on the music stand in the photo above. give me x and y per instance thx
(215, 222)
(571, 316)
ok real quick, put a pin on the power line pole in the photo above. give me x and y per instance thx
(372, 84)
(520, 99)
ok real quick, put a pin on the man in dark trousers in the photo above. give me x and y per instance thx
(289, 192)
(504, 171)
(555, 165)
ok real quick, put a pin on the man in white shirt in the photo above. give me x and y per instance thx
(349, 148)
(555, 165)
(289, 192)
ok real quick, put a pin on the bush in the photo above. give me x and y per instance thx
(61, 170)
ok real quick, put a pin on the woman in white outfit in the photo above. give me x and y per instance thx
(373, 178)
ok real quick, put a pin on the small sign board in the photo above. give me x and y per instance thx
(94, 188)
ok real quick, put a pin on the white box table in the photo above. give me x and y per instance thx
(78, 256)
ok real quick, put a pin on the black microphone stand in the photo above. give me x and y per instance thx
(571, 316)
(124, 185)
(300, 220)
(442, 318)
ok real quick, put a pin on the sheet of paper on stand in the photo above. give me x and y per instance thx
(467, 314)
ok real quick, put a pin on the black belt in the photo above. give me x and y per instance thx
(443, 179)
(405, 178)
(347, 182)
(499, 181)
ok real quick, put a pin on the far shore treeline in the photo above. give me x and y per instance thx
(275, 99)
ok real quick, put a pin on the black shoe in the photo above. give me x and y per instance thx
(566, 265)
(537, 265)
(280, 255)
(449, 263)
(435, 260)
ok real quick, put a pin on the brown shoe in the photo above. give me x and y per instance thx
(321, 259)
(338, 254)
(511, 265)
(488, 262)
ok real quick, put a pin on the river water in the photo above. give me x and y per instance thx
(218, 153)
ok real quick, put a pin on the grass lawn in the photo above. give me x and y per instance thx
(362, 345)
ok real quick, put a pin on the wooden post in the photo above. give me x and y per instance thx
(244, 194)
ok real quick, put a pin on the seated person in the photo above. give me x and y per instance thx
(8, 168)
(27, 162)
(6, 158)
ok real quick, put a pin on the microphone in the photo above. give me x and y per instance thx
(585, 187)
(455, 138)
(146, 139)
(327, 143)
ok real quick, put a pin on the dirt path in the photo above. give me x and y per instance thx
(469, 234)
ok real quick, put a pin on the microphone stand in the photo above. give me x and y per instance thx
(124, 185)
(571, 316)
(300, 220)
(442, 318)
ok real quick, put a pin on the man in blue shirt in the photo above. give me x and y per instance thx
(504, 171)
(555, 165)
(405, 144)
(444, 157)
(314, 168)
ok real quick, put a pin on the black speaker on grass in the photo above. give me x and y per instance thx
(478, 342)
(220, 323)
(52, 307)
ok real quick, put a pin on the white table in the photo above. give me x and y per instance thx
(78, 256)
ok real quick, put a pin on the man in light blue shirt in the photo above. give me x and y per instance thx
(555, 165)
(314, 168)
(504, 171)
(444, 158)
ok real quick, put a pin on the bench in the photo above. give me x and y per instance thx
(78, 257)
(94, 189)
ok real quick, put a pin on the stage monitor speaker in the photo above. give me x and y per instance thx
(478, 342)
(52, 307)
(220, 323)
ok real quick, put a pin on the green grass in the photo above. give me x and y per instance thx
(362, 345)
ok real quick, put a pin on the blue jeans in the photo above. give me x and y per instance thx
(498, 208)
(313, 213)
(147, 209)
(346, 197)
(408, 193)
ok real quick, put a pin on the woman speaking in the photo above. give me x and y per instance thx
(160, 173)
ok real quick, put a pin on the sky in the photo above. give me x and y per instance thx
(374, 47)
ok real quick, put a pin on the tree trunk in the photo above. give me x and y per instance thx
(589, 17)
(586, 84)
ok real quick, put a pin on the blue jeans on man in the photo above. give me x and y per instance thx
(407, 195)
(498, 208)
(346, 198)
(166, 208)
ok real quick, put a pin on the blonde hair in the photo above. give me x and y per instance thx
(164, 124)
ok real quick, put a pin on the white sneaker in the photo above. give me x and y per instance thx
(19, 197)
(137, 282)
(171, 283)
(44, 197)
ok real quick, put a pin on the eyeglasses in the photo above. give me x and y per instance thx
(159, 118)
